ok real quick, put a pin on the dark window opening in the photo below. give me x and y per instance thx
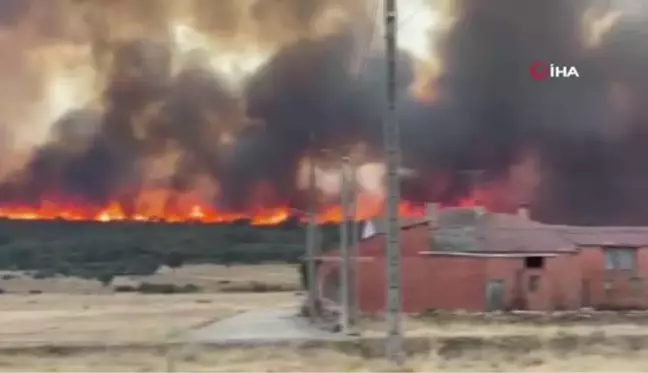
(533, 262)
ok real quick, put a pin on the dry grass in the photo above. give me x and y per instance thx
(218, 278)
(209, 277)
(434, 328)
(118, 318)
(80, 311)
(311, 360)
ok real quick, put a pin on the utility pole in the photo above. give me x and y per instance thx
(311, 232)
(353, 278)
(344, 246)
(392, 148)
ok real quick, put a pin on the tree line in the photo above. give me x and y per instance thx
(103, 250)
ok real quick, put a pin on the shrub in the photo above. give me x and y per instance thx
(149, 288)
(125, 289)
(175, 259)
(189, 288)
(44, 273)
(258, 287)
(105, 278)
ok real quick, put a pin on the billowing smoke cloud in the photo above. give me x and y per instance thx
(491, 111)
(222, 100)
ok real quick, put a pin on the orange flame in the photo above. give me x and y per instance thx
(367, 208)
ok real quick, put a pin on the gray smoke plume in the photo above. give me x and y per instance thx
(587, 133)
(491, 109)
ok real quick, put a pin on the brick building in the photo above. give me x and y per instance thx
(472, 260)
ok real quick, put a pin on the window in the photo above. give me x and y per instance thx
(536, 262)
(534, 283)
(620, 259)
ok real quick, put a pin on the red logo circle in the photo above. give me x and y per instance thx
(539, 70)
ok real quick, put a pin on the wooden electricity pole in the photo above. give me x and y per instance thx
(391, 133)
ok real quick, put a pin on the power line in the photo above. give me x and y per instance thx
(362, 59)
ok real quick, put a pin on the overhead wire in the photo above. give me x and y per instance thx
(361, 61)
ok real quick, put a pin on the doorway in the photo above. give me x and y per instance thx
(494, 295)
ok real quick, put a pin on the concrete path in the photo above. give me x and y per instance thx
(262, 327)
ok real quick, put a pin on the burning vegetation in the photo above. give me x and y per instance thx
(209, 110)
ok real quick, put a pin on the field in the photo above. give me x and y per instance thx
(318, 360)
(209, 278)
(79, 311)
(78, 325)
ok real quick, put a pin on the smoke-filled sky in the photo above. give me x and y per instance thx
(224, 100)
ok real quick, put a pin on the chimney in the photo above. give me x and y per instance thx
(432, 215)
(523, 212)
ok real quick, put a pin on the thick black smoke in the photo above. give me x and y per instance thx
(589, 133)
(490, 108)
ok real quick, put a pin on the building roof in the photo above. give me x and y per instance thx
(492, 232)
(467, 230)
(460, 230)
(605, 236)
(379, 226)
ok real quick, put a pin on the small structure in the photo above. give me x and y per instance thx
(469, 259)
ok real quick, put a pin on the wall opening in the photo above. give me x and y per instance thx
(534, 262)
(534, 283)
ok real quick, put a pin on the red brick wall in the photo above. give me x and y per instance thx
(559, 282)
(459, 282)
(428, 283)
(621, 293)
(568, 281)
(413, 240)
